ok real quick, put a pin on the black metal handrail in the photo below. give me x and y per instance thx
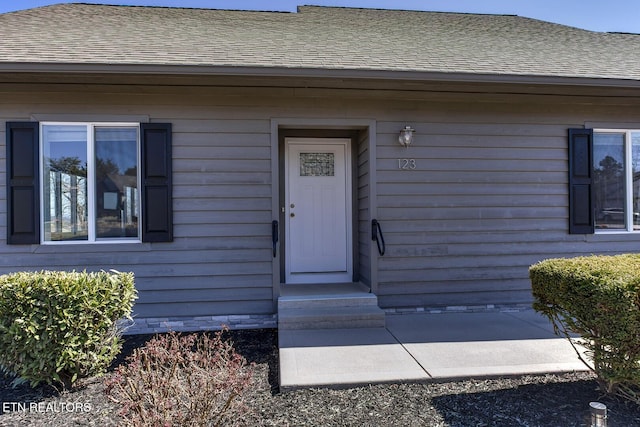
(274, 236)
(376, 234)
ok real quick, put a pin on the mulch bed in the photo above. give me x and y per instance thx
(541, 400)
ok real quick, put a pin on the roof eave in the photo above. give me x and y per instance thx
(248, 71)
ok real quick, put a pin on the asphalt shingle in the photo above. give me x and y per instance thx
(316, 38)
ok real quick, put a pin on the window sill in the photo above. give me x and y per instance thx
(616, 232)
(86, 242)
(131, 245)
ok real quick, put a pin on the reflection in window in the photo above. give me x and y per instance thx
(616, 180)
(89, 182)
(65, 182)
(317, 164)
(609, 180)
(116, 182)
(635, 165)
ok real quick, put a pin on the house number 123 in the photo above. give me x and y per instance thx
(406, 164)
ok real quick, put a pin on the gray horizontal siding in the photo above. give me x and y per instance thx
(455, 298)
(220, 260)
(363, 210)
(487, 199)
(202, 308)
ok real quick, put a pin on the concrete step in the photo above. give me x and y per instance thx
(328, 306)
(336, 317)
(327, 301)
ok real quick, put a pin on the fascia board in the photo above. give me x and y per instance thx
(396, 75)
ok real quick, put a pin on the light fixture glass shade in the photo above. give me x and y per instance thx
(406, 136)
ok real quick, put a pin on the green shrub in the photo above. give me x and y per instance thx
(57, 327)
(182, 380)
(598, 298)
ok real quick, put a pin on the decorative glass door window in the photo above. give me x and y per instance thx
(317, 164)
(90, 182)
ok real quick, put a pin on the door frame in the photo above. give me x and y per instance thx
(363, 134)
(337, 277)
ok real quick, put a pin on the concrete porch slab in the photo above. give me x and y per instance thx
(343, 357)
(469, 327)
(465, 345)
(424, 347)
(485, 359)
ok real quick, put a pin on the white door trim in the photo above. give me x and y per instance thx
(319, 277)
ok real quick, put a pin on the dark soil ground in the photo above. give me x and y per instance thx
(545, 400)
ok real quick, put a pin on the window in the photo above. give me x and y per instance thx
(317, 164)
(616, 180)
(90, 182)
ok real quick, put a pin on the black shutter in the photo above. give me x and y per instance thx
(157, 209)
(23, 183)
(581, 206)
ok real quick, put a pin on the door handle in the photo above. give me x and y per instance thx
(274, 236)
(376, 234)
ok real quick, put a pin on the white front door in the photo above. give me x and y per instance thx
(318, 210)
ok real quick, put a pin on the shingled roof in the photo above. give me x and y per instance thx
(315, 39)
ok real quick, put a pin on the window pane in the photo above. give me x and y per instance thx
(65, 182)
(609, 180)
(117, 201)
(317, 164)
(635, 161)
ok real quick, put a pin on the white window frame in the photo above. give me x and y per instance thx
(628, 176)
(91, 184)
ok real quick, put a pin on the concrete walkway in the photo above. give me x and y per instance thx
(425, 347)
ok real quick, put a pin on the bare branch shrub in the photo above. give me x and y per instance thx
(182, 380)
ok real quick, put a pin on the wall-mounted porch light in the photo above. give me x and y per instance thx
(406, 136)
